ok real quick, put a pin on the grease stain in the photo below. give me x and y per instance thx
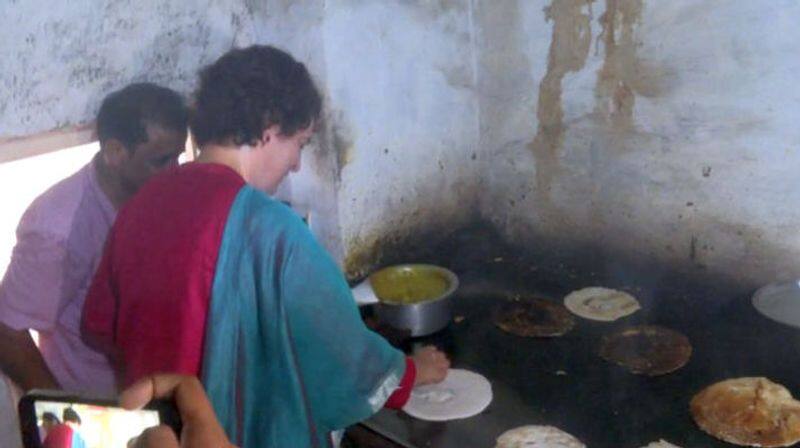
(569, 49)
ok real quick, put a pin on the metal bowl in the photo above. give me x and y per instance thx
(414, 297)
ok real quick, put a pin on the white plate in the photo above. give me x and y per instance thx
(780, 302)
(462, 394)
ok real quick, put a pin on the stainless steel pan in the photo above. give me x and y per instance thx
(427, 314)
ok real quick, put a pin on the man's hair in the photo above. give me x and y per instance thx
(49, 417)
(249, 90)
(69, 415)
(125, 114)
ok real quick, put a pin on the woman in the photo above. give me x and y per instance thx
(204, 274)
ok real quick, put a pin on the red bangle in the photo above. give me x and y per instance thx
(400, 396)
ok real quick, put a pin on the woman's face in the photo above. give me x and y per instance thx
(274, 157)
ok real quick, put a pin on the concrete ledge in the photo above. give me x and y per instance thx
(14, 148)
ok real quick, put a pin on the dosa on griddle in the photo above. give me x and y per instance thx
(750, 411)
(647, 349)
(537, 436)
(661, 444)
(532, 317)
(601, 304)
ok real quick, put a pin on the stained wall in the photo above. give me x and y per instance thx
(665, 130)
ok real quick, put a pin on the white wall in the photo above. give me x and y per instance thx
(395, 151)
(397, 147)
(61, 58)
(400, 78)
(678, 141)
(675, 140)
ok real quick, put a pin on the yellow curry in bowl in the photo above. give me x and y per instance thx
(411, 284)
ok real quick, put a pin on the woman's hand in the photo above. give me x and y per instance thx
(200, 425)
(432, 365)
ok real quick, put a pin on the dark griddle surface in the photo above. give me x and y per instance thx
(600, 403)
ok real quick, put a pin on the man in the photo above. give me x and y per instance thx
(230, 285)
(141, 129)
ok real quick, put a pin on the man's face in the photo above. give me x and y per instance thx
(160, 151)
(276, 156)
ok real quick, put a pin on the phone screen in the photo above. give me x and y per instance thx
(99, 427)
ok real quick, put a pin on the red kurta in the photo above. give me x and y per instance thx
(148, 303)
(150, 296)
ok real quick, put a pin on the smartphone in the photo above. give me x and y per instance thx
(56, 416)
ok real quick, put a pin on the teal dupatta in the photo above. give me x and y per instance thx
(287, 358)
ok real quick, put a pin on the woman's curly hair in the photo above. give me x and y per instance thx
(250, 89)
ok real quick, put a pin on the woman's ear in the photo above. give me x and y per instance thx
(270, 133)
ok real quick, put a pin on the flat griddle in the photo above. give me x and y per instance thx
(562, 381)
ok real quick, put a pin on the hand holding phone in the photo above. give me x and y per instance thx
(149, 414)
(58, 419)
(200, 427)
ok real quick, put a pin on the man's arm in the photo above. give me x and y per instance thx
(21, 361)
(30, 296)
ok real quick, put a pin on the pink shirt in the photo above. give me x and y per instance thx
(59, 244)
